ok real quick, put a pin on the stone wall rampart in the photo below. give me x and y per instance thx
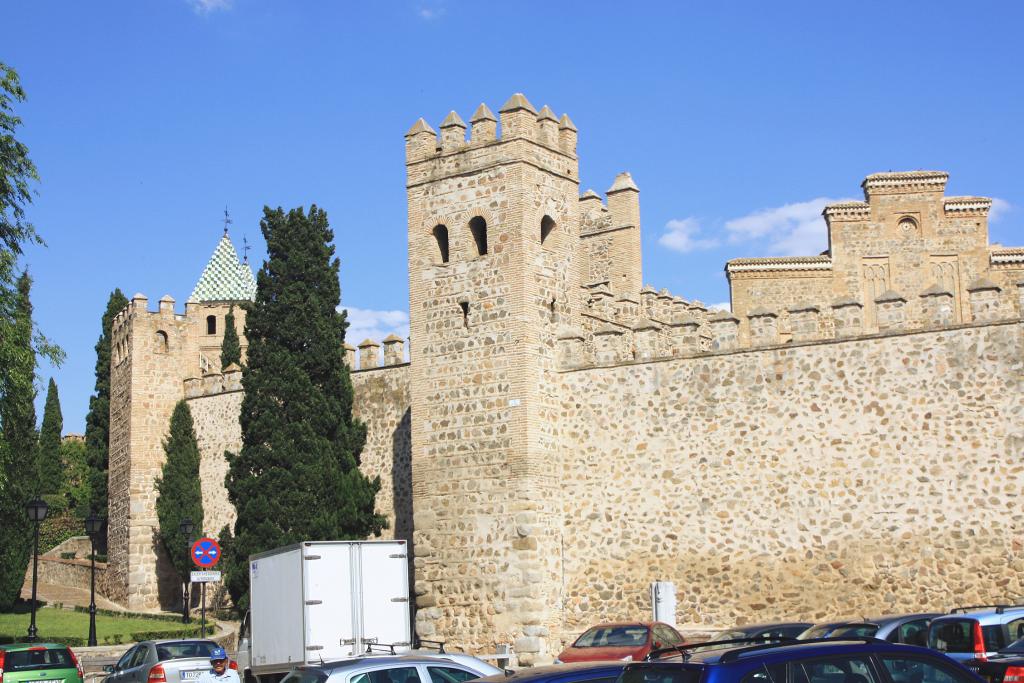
(829, 479)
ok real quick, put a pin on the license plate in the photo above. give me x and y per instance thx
(49, 680)
(191, 675)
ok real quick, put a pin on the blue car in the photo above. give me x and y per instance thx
(579, 672)
(971, 634)
(851, 660)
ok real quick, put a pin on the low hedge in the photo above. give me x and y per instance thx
(186, 631)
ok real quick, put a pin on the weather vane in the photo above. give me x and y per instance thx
(245, 250)
(227, 220)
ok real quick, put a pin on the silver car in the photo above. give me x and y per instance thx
(427, 668)
(162, 661)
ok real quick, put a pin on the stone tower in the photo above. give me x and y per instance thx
(493, 275)
(152, 354)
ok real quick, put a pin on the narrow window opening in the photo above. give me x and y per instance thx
(441, 235)
(478, 226)
(211, 324)
(551, 308)
(161, 341)
(547, 224)
(464, 305)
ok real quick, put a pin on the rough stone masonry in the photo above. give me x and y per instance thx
(846, 440)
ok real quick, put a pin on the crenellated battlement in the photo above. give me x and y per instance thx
(540, 137)
(369, 356)
(661, 326)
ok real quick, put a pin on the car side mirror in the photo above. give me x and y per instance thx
(657, 645)
(108, 668)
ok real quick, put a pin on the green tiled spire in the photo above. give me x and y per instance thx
(225, 278)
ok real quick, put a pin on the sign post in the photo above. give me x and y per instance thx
(205, 555)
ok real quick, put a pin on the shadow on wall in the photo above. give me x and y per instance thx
(401, 494)
(168, 583)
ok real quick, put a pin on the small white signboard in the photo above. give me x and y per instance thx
(206, 577)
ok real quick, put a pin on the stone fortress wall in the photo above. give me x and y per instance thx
(562, 435)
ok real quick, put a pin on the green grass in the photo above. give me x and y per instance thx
(72, 627)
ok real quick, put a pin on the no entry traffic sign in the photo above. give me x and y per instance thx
(205, 553)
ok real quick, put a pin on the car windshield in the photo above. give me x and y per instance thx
(660, 674)
(1015, 646)
(38, 658)
(730, 635)
(855, 630)
(184, 649)
(819, 631)
(613, 636)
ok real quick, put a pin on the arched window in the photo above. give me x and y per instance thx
(547, 224)
(441, 235)
(211, 324)
(161, 341)
(478, 226)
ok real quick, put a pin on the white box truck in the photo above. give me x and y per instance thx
(322, 601)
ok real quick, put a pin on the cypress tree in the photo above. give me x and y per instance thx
(51, 470)
(230, 347)
(75, 488)
(297, 475)
(97, 421)
(179, 494)
(18, 479)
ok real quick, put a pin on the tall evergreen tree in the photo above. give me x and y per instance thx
(75, 488)
(51, 470)
(97, 421)
(297, 475)
(230, 346)
(18, 473)
(178, 491)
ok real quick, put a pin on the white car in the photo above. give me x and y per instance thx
(422, 667)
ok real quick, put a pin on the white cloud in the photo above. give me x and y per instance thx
(429, 13)
(796, 229)
(207, 6)
(1000, 207)
(366, 323)
(681, 235)
(724, 306)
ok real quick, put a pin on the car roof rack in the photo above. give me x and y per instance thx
(733, 655)
(439, 644)
(687, 650)
(388, 648)
(999, 609)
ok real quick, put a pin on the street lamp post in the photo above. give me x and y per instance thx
(93, 525)
(186, 528)
(36, 510)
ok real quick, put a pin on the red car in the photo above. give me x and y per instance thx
(627, 641)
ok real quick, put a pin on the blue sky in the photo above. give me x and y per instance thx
(737, 120)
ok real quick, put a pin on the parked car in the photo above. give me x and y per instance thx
(163, 661)
(826, 660)
(1006, 665)
(771, 631)
(627, 641)
(423, 668)
(39, 663)
(976, 633)
(576, 672)
(910, 629)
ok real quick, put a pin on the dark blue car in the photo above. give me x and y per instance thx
(580, 672)
(853, 660)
